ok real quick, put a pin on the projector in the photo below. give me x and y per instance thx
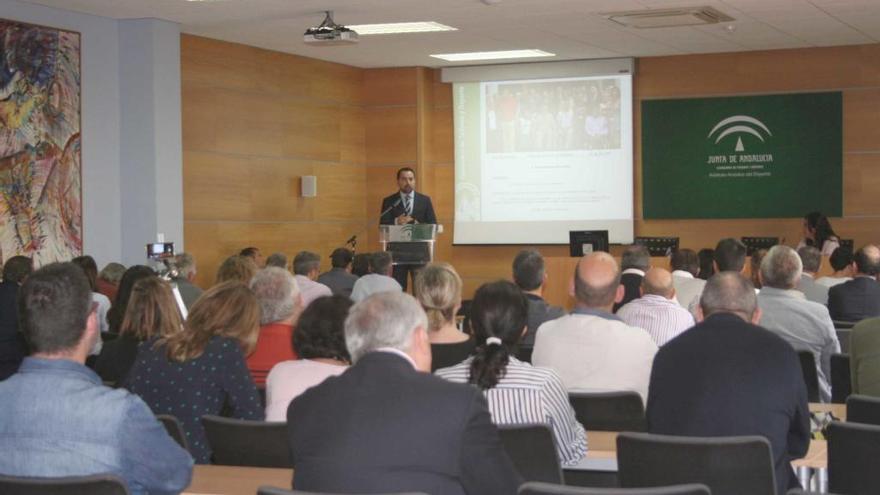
(330, 33)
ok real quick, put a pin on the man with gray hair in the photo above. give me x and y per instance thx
(306, 266)
(811, 259)
(280, 306)
(378, 280)
(386, 424)
(635, 261)
(657, 311)
(185, 266)
(530, 276)
(804, 324)
(277, 259)
(728, 377)
(591, 348)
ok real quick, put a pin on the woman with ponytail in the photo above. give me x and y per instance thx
(517, 392)
(438, 289)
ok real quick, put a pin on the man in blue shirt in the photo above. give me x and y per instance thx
(57, 419)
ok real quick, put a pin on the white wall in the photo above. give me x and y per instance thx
(115, 225)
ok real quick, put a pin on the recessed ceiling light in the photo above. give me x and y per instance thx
(400, 27)
(461, 57)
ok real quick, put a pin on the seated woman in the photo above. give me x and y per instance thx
(280, 306)
(319, 341)
(517, 392)
(120, 304)
(151, 312)
(819, 234)
(438, 289)
(841, 261)
(197, 371)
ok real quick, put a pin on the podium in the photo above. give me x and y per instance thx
(410, 245)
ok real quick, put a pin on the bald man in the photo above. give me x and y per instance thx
(657, 310)
(592, 348)
(860, 297)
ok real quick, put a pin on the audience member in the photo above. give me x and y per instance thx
(236, 268)
(787, 313)
(339, 278)
(592, 348)
(707, 263)
(360, 265)
(864, 357)
(728, 377)
(685, 267)
(438, 289)
(108, 279)
(90, 268)
(755, 267)
(378, 280)
(199, 370)
(185, 266)
(306, 266)
(12, 345)
(254, 254)
(117, 310)
(530, 276)
(386, 425)
(657, 310)
(58, 419)
(841, 261)
(280, 306)
(278, 260)
(860, 297)
(636, 260)
(811, 259)
(151, 313)
(819, 234)
(319, 342)
(729, 256)
(518, 393)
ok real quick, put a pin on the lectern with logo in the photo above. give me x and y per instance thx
(410, 245)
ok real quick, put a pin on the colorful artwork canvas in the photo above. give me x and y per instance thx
(40, 143)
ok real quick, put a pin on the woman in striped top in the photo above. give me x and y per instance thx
(517, 392)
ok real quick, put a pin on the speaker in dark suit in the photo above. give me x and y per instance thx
(403, 207)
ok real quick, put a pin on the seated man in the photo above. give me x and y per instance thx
(530, 277)
(306, 266)
(57, 419)
(387, 425)
(657, 311)
(860, 297)
(592, 348)
(864, 357)
(787, 313)
(727, 377)
(280, 307)
(685, 267)
(635, 262)
(185, 265)
(378, 280)
(811, 259)
(339, 278)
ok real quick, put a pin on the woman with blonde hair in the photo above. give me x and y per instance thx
(195, 372)
(438, 289)
(237, 268)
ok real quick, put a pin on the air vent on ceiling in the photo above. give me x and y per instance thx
(657, 18)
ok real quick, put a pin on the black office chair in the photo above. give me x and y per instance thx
(532, 450)
(271, 490)
(863, 409)
(609, 411)
(841, 382)
(99, 484)
(727, 465)
(174, 429)
(853, 450)
(811, 376)
(536, 488)
(239, 442)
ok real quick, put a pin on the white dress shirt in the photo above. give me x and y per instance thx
(311, 290)
(688, 288)
(662, 318)
(288, 379)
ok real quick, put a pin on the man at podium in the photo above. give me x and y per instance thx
(403, 207)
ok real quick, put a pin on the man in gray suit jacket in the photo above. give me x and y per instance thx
(339, 278)
(530, 276)
(812, 260)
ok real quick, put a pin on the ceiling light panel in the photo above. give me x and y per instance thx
(400, 28)
(468, 56)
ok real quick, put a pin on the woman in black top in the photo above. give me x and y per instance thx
(438, 289)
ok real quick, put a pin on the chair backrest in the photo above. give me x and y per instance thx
(532, 450)
(99, 484)
(863, 409)
(811, 377)
(609, 411)
(271, 490)
(853, 450)
(727, 465)
(174, 429)
(537, 488)
(239, 442)
(841, 382)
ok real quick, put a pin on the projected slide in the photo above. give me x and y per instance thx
(537, 158)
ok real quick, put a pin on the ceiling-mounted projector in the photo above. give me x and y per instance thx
(330, 33)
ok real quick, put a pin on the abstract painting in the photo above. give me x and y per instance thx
(40, 143)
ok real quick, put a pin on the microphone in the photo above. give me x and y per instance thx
(395, 205)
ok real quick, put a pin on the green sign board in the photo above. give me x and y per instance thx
(771, 156)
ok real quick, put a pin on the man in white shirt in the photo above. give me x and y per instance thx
(811, 259)
(592, 348)
(378, 280)
(685, 267)
(306, 266)
(657, 311)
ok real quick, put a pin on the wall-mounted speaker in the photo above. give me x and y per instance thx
(309, 186)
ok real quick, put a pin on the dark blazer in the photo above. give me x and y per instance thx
(726, 377)
(422, 211)
(631, 283)
(539, 312)
(339, 280)
(854, 300)
(12, 345)
(382, 426)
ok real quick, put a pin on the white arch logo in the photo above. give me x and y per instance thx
(739, 124)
